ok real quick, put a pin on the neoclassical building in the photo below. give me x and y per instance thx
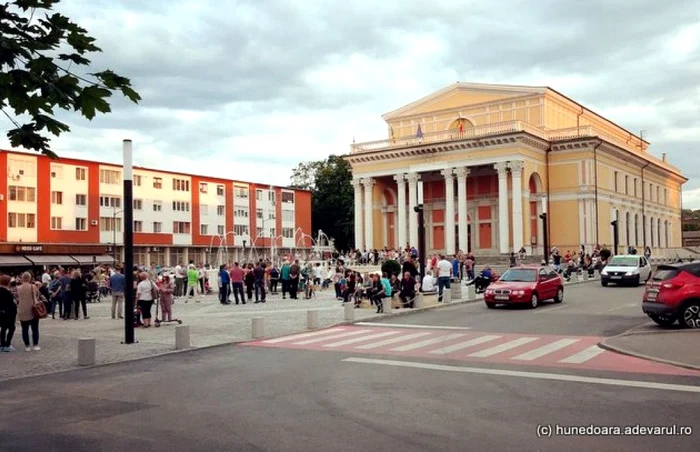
(489, 159)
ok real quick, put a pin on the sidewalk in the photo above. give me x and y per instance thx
(677, 347)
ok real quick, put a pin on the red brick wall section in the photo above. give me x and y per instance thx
(44, 232)
(150, 238)
(3, 192)
(302, 216)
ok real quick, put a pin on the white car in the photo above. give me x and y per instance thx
(626, 269)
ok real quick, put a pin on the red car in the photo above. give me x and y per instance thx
(673, 294)
(525, 285)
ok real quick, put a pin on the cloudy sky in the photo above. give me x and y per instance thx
(247, 89)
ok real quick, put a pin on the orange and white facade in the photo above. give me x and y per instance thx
(75, 207)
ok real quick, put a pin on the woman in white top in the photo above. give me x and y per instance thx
(144, 295)
(428, 284)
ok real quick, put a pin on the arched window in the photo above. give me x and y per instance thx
(658, 232)
(666, 233)
(636, 229)
(651, 231)
(627, 229)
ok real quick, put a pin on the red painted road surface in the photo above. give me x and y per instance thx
(576, 352)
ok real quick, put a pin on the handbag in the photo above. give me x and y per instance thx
(39, 309)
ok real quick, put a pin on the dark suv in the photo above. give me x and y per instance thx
(674, 294)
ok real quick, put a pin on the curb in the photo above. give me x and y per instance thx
(623, 351)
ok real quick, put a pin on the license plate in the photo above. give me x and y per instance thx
(616, 277)
(651, 296)
(502, 297)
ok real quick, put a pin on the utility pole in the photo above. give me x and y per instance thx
(421, 234)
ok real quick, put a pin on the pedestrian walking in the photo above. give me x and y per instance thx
(117, 284)
(27, 298)
(8, 315)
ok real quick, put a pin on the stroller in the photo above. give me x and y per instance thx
(92, 294)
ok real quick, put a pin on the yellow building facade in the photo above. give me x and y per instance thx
(487, 160)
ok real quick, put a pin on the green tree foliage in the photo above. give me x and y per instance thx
(391, 267)
(330, 182)
(38, 49)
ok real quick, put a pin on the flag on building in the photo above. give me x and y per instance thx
(393, 137)
(419, 133)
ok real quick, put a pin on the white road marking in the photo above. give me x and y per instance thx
(629, 305)
(503, 347)
(425, 343)
(545, 350)
(335, 336)
(544, 311)
(408, 325)
(361, 339)
(301, 336)
(391, 341)
(463, 345)
(583, 356)
(532, 375)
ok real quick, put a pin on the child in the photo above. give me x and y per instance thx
(166, 298)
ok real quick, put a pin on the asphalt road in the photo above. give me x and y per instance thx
(246, 398)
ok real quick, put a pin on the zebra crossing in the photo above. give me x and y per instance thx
(517, 349)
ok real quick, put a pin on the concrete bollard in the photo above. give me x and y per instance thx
(182, 337)
(471, 292)
(349, 312)
(86, 351)
(596, 274)
(446, 296)
(386, 305)
(312, 319)
(585, 275)
(418, 303)
(456, 290)
(579, 277)
(258, 327)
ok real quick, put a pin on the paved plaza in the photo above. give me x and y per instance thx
(211, 323)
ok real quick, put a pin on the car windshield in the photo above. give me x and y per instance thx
(624, 261)
(519, 275)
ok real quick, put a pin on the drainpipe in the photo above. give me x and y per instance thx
(595, 176)
(644, 219)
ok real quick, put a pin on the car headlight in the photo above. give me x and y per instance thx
(604, 272)
(489, 291)
(519, 292)
(632, 272)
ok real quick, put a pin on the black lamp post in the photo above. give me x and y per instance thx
(128, 245)
(615, 236)
(545, 236)
(421, 242)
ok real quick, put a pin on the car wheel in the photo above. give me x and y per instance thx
(560, 295)
(665, 322)
(534, 301)
(604, 283)
(491, 305)
(689, 316)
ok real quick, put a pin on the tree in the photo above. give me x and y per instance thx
(36, 57)
(332, 197)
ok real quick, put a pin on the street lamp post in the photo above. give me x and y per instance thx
(545, 236)
(421, 233)
(128, 245)
(615, 237)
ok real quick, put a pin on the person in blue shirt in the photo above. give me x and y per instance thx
(455, 269)
(117, 285)
(224, 284)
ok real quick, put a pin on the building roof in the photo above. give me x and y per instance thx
(70, 160)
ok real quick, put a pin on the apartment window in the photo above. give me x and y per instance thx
(273, 232)
(287, 197)
(21, 167)
(81, 200)
(615, 175)
(287, 215)
(271, 216)
(635, 187)
(259, 214)
(56, 223)
(24, 194)
(181, 185)
(80, 174)
(288, 233)
(157, 226)
(110, 224)
(240, 229)
(158, 182)
(241, 213)
(56, 197)
(221, 210)
(137, 180)
(110, 201)
(81, 224)
(259, 195)
(271, 196)
(21, 220)
(203, 187)
(259, 232)
(204, 229)
(181, 227)
(181, 206)
(138, 204)
(111, 177)
(157, 206)
(56, 172)
(220, 229)
(220, 190)
(204, 209)
(138, 226)
(240, 192)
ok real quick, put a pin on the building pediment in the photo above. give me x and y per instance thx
(462, 94)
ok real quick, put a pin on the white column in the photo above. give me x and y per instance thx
(357, 187)
(449, 210)
(401, 212)
(462, 174)
(503, 229)
(368, 183)
(516, 171)
(412, 202)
